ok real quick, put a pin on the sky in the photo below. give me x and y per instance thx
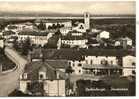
(93, 7)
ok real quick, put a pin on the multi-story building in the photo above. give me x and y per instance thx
(74, 39)
(20, 27)
(44, 78)
(36, 37)
(129, 65)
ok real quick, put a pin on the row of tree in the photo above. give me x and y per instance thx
(42, 26)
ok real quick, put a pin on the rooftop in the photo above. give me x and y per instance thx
(74, 54)
(49, 66)
(33, 33)
(73, 38)
(100, 66)
(8, 32)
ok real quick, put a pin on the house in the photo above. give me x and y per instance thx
(95, 30)
(20, 27)
(75, 33)
(45, 78)
(129, 65)
(74, 41)
(36, 37)
(104, 34)
(126, 41)
(64, 31)
(8, 34)
(80, 27)
(94, 58)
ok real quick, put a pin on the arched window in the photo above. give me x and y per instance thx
(41, 76)
(91, 62)
(79, 64)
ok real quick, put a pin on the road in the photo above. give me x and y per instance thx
(10, 81)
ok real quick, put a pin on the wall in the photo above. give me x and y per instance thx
(54, 87)
(23, 86)
(128, 65)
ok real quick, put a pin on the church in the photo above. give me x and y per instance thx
(82, 27)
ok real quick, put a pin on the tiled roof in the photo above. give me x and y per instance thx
(100, 66)
(8, 32)
(33, 33)
(68, 54)
(73, 38)
(74, 54)
(104, 52)
(49, 66)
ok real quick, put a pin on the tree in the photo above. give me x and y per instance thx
(58, 32)
(65, 46)
(42, 26)
(49, 27)
(26, 47)
(15, 44)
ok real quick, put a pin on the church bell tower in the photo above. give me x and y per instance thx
(87, 20)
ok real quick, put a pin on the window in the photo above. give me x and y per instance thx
(79, 64)
(133, 64)
(81, 27)
(79, 71)
(86, 61)
(91, 62)
(73, 64)
(28, 85)
(86, 15)
(41, 76)
(133, 72)
(25, 76)
(69, 63)
(111, 62)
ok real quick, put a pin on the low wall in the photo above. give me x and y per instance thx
(10, 70)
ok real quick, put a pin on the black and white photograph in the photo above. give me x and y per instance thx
(67, 49)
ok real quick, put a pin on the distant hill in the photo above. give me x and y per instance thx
(52, 14)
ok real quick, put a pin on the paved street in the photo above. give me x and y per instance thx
(9, 81)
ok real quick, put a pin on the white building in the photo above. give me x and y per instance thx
(38, 40)
(80, 28)
(112, 60)
(75, 42)
(95, 30)
(64, 31)
(129, 65)
(35, 37)
(20, 27)
(104, 34)
(126, 41)
(77, 66)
